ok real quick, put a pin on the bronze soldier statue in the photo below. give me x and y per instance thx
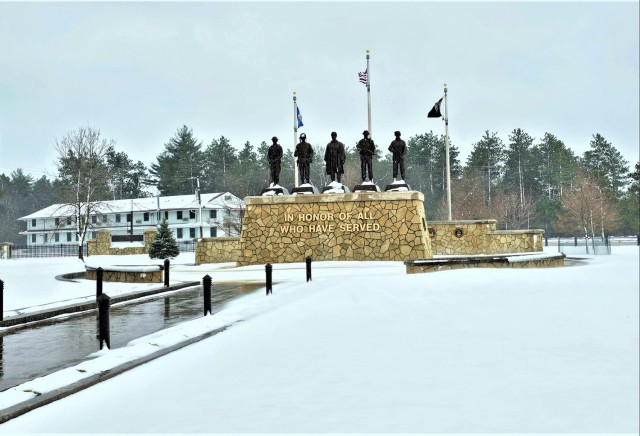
(275, 157)
(334, 158)
(398, 148)
(304, 153)
(367, 149)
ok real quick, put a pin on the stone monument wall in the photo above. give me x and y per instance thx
(215, 250)
(353, 226)
(101, 245)
(468, 237)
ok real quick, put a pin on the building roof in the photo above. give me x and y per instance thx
(150, 204)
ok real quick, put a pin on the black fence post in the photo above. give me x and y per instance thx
(104, 334)
(546, 241)
(206, 285)
(99, 273)
(268, 269)
(166, 272)
(308, 262)
(575, 241)
(1, 300)
(638, 242)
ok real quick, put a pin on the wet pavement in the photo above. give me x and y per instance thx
(46, 347)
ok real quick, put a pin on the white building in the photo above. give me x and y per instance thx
(219, 214)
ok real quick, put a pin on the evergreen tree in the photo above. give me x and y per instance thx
(179, 165)
(487, 158)
(555, 166)
(126, 178)
(605, 163)
(426, 166)
(248, 174)
(165, 245)
(221, 158)
(519, 169)
(630, 205)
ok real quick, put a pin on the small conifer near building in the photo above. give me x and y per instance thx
(165, 245)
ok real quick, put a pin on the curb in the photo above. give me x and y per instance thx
(57, 394)
(81, 307)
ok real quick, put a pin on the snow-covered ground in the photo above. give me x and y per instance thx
(366, 348)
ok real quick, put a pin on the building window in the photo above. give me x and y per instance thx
(213, 231)
(56, 237)
(94, 219)
(166, 215)
(68, 236)
(103, 218)
(93, 235)
(57, 222)
(179, 233)
(179, 214)
(68, 220)
(118, 218)
(213, 213)
(33, 239)
(145, 217)
(192, 232)
(192, 214)
(228, 212)
(76, 237)
(33, 223)
(129, 217)
(46, 238)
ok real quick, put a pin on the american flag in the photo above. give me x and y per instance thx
(364, 77)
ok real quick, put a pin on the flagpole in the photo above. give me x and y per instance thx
(369, 94)
(295, 138)
(446, 143)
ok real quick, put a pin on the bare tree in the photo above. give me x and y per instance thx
(83, 172)
(588, 207)
(231, 216)
(514, 211)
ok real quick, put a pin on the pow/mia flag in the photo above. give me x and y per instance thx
(435, 111)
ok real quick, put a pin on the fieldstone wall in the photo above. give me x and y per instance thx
(433, 265)
(101, 245)
(468, 237)
(127, 276)
(216, 250)
(352, 226)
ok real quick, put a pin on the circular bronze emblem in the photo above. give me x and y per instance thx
(432, 232)
(458, 232)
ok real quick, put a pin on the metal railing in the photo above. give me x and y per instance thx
(582, 245)
(50, 250)
(187, 246)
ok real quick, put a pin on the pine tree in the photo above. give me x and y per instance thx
(487, 158)
(165, 245)
(179, 165)
(606, 164)
(220, 158)
(519, 168)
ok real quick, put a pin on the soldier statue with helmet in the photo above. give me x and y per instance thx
(304, 153)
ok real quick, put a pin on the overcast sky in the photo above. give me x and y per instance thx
(139, 71)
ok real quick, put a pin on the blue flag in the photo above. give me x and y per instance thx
(299, 117)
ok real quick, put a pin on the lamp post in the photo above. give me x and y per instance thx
(199, 203)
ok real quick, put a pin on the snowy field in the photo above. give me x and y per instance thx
(364, 348)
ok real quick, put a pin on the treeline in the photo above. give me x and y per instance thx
(523, 183)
